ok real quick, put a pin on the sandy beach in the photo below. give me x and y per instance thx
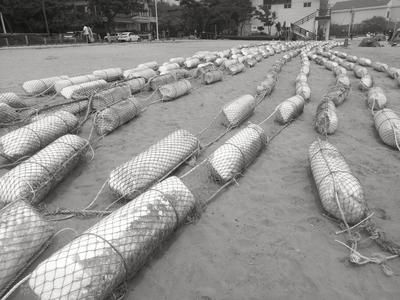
(265, 237)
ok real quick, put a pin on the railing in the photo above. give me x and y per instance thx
(303, 32)
(306, 18)
(141, 14)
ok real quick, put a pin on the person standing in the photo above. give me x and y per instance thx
(85, 33)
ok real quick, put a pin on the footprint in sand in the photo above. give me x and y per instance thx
(315, 221)
(381, 213)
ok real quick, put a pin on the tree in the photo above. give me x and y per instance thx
(375, 24)
(266, 16)
(170, 18)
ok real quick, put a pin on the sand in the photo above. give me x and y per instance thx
(266, 237)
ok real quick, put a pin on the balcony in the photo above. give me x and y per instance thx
(323, 14)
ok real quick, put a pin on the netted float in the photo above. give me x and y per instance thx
(236, 68)
(174, 90)
(360, 72)
(12, 100)
(83, 90)
(60, 84)
(8, 114)
(110, 96)
(380, 67)
(168, 67)
(376, 98)
(191, 63)
(289, 109)
(366, 82)
(238, 110)
(135, 84)
(177, 60)
(38, 86)
(145, 73)
(150, 64)
(23, 235)
(343, 80)
(110, 74)
(133, 177)
(35, 177)
(387, 123)
(212, 76)
(366, 62)
(340, 192)
(337, 94)
(303, 90)
(114, 249)
(30, 138)
(237, 153)
(394, 73)
(326, 120)
(109, 119)
(159, 80)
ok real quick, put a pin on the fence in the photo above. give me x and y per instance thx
(7, 40)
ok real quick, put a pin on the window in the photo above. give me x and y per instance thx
(267, 3)
(307, 4)
(287, 5)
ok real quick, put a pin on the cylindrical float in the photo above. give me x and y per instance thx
(115, 248)
(145, 73)
(7, 114)
(179, 73)
(168, 67)
(83, 90)
(110, 96)
(387, 123)
(177, 60)
(366, 62)
(237, 153)
(174, 90)
(337, 94)
(109, 119)
(343, 80)
(289, 109)
(60, 84)
(236, 68)
(38, 86)
(135, 176)
(160, 80)
(211, 76)
(35, 177)
(366, 82)
(376, 99)
(151, 65)
(23, 234)
(380, 67)
(393, 72)
(110, 74)
(29, 139)
(339, 191)
(326, 120)
(238, 110)
(136, 84)
(191, 62)
(360, 72)
(12, 100)
(303, 90)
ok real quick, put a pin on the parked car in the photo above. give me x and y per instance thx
(69, 36)
(128, 37)
(110, 38)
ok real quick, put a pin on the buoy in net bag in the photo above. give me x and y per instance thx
(110, 74)
(303, 90)
(393, 72)
(336, 94)
(83, 89)
(380, 67)
(192, 62)
(376, 98)
(250, 62)
(100, 259)
(178, 60)
(179, 73)
(387, 123)
(289, 109)
(146, 73)
(343, 80)
(136, 84)
(366, 62)
(60, 84)
(38, 86)
(326, 120)
(168, 67)
(340, 192)
(174, 90)
(238, 110)
(12, 100)
(339, 70)
(360, 72)
(135, 176)
(237, 153)
(366, 82)
(236, 68)
(7, 114)
(211, 77)
(160, 80)
(151, 64)
(110, 96)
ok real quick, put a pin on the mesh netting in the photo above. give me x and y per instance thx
(366, 82)
(267, 86)
(151, 64)
(366, 62)
(179, 73)
(238, 110)
(352, 58)
(31, 138)
(289, 109)
(387, 123)
(192, 63)
(60, 84)
(110, 96)
(376, 98)
(212, 76)
(326, 120)
(360, 72)
(38, 86)
(337, 94)
(160, 80)
(339, 70)
(341, 193)
(35, 177)
(250, 62)
(143, 170)
(303, 90)
(109, 119)
(83, 89)
(380, 67)
(177, 60)
(236, 68)
(204, 68)
(343, 80)
(111, 74)
(23, 234)
(7, 114)
(114, 249)
(393, 72)
(12, 100)
(229, 62)
(136, 84)
(168, 67)
(140, 73)
(237, 153)
(174, 90)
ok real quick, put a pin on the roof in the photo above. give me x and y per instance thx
(359, 4)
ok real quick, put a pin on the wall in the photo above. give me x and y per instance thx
(343, 17)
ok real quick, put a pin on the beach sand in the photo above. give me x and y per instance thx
(266, 237)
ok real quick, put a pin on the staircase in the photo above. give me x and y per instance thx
(303, 33)
(306, 18)
(319, 14)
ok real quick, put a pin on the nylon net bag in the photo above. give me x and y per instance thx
(236, 68)
(339, 70)
(238, 110)
(23, 235)
(110, 74)
(109, 119)
(29, 139)
(35, 177)
(174, 90)
(114, 249)
(83, 90)
(177, 60)
(250, 62)
(352, 58)
(60, 84)
(337, 94)
(151, 64)
(160, 80)
(136, 84)
(393, 72)
(7, 114)
(303, 90)
(289, 109)
(387, 123)
(12, 100)
(38, 86)
(191, 63)
(380, 67)
(228, 63)
(141, 73)
(211, 76)
(267, 86)
(376, 98)
(237, 153)
(110, 96)
(340, 192)
(133, 177)
(326, 121)
(168, 67)
(179, 73)
(366, 62)
(360, 72)
(366, 82)
(343, 80)
(204, 68)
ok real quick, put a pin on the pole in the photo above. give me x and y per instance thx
(2, 22)
(351, 22)
(158, 38)
(45, 17)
